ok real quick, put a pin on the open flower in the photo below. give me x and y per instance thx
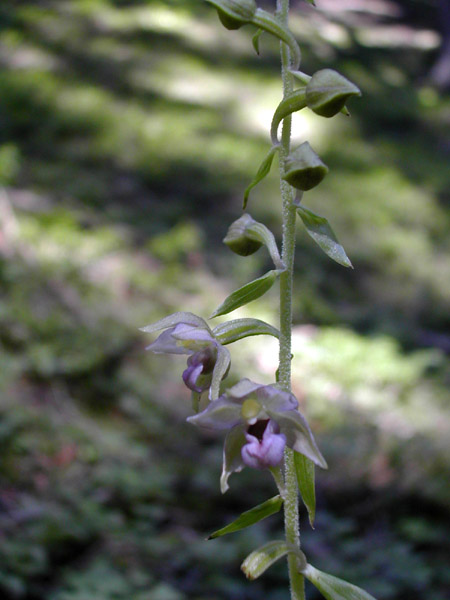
(262, 420)
(185, 333)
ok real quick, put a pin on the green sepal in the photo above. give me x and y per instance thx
(304, 469)
(333, 588)
(250, 517)
(321, 232)
(247, 293)
(312, 2)
(262, 172)
(255, 40)
(290, 104)
(237, 329)
(261, 559)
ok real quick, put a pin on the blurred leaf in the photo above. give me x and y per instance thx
(261, 559)
(320, 231)
(304, 469)
(250, 517)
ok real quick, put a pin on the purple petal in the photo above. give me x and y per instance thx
(190, 376)
(265, 453)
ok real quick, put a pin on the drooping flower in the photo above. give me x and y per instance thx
(186, 333)
(262, 420)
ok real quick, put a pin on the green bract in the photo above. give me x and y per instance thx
(250, 517)
(233, 14)
(321, 232)
(261, 559)
(333, 588)
(247, 293)
(328, 91)
(304, 169)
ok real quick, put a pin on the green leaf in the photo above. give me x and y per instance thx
(304, 469)
(320, 231)
(255, 40)
(250, 517)
(247, 293)
(263, 170)
(333, 588)
(260, 560)
(235, 330)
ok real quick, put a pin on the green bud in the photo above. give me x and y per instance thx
(304, 169)
(233, 14)
(237, 238)
(328, 91)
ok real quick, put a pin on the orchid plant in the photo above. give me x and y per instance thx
(264, 427)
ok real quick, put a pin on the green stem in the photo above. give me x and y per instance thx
(291, 521)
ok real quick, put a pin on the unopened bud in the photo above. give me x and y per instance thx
(235, 13)
(304, 169)
(237, 238)
(328, 91)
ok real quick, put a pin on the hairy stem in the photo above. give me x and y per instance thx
(291, 523)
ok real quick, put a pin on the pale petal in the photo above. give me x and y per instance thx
(232, 459)
(298, 434)
(165, 343)
(219, 414)
(220, 370)
(171, 320)
(243, 388)
(275, 399)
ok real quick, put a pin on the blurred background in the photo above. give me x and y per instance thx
(128, 132)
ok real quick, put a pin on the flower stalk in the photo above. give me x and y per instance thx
(264, 427)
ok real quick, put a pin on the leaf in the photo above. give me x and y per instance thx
(237, 329)
(248, 292)
(320, 231)
(263, 170)
(250, 517)
(255, 40)
(261, 559)
(304, 469)
(333, 588)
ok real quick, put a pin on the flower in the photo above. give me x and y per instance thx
(262, 420)
(265, 447)
(186, 333)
